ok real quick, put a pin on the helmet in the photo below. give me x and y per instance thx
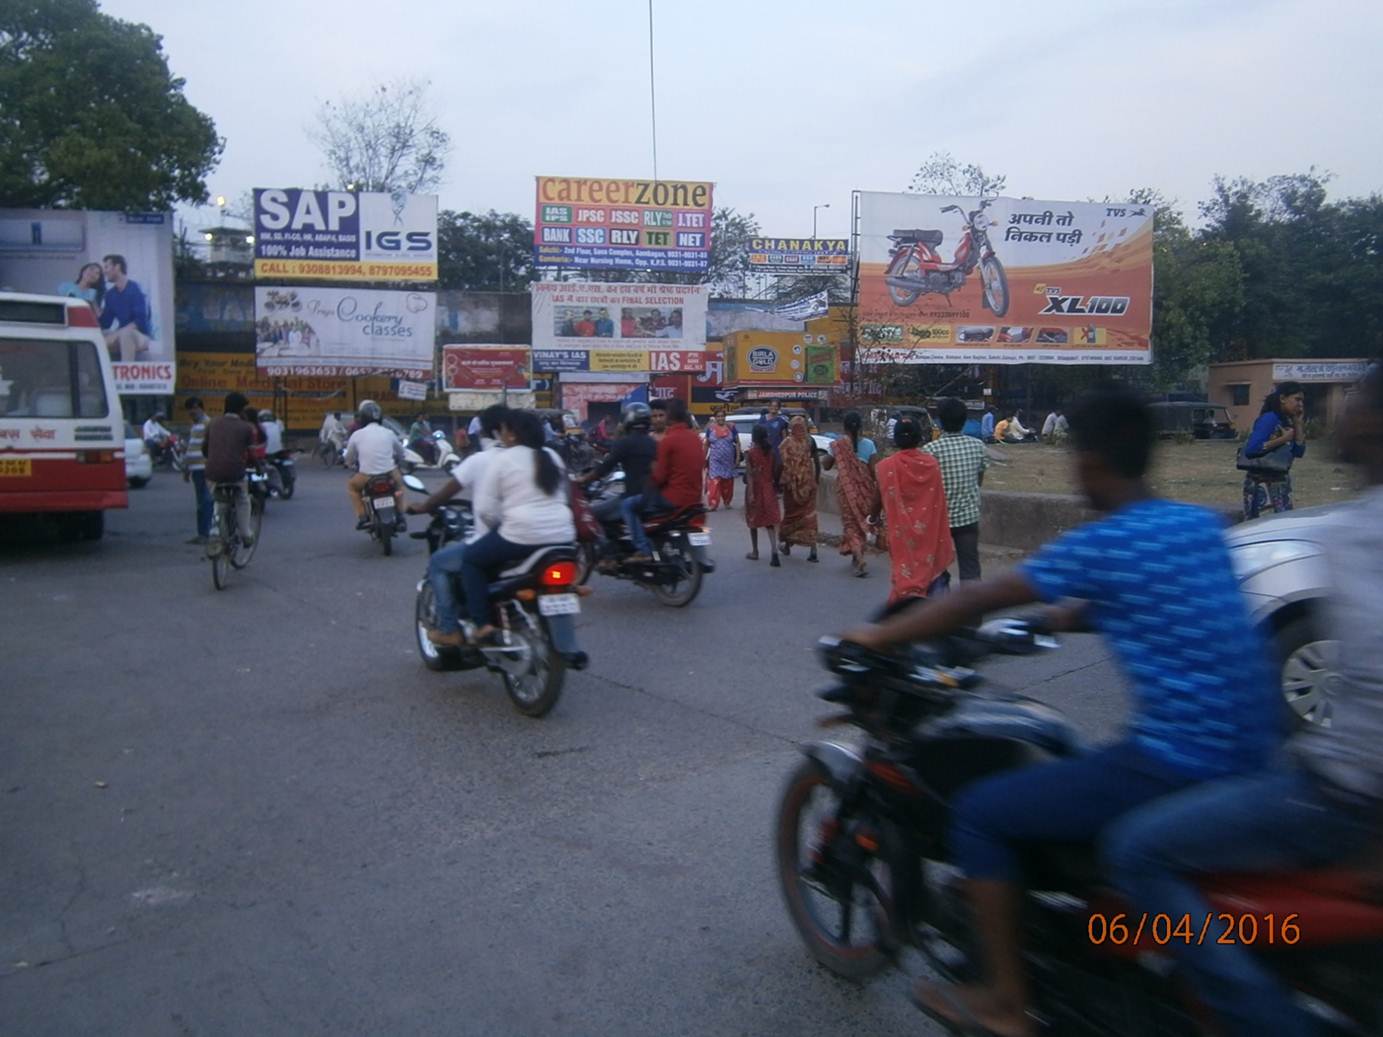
(636, 414)
(266, 415)
(368, 411)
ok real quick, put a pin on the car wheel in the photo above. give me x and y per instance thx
(1309, 669)
(139, 483)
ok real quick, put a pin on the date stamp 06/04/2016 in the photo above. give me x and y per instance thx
(1160, 930)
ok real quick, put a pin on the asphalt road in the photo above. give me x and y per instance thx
(254, 811)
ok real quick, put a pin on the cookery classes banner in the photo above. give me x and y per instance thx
(599, 224)
(345, 332)
(587, 316)
(1009, 281)
(486, 367)
(345, 235)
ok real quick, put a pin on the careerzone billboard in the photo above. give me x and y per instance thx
(622, 224)
(120, 263)
(345, 235)
(1004, 280)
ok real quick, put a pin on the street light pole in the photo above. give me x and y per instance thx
(823, 205)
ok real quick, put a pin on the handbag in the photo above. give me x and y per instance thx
(1275, 463)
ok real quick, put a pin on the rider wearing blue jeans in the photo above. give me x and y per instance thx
(1318, 806)
(1154, 578)
(444, 567)
(523, 499)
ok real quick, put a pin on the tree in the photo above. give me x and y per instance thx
(92, 117)
(490, 251)
(384, 140)
(941, 173)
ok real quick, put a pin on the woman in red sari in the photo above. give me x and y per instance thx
(913, 498)
(853, 454)
(801, 473)
(762, 472)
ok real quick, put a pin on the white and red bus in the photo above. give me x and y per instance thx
(62, 440)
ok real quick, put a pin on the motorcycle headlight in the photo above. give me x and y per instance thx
(1251, 559)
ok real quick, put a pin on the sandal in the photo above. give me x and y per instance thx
(956, 1018)
(753, 556)
(775, 563)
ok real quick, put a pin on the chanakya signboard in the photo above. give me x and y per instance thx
(622, 224)
(799, 255)
(345, 235)
(1004, 280)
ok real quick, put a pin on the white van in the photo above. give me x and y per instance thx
(62, 446)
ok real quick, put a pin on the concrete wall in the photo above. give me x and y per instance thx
(1021, 521)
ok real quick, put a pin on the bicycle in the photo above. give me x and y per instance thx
(234, 553)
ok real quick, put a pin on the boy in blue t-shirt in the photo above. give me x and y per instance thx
(1154, 577)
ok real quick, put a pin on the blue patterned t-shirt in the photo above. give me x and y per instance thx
(1161, 590)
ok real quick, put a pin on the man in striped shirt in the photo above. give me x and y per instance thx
(195, 472)
(963, 461)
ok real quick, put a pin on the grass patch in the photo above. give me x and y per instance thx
(1201, 471)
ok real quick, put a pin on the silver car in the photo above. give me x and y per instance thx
(1282, 573)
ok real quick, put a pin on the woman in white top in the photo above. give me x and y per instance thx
(523, 498)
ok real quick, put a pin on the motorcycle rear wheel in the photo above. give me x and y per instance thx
(905, 296)
(535, 686)
(837, 950)
(684, 591)
(287, 491)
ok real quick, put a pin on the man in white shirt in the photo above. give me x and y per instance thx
(155, 435)
(273, 433)
(333, 431)
(373, 450)
(444, 568)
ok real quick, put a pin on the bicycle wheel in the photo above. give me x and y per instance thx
(221, 561)
(244, 552)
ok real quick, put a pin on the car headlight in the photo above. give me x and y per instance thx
(1251, 559)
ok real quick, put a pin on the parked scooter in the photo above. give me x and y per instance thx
(536, 599)
(679, 540)
(863, 862)
(445, 455)
(915, 268)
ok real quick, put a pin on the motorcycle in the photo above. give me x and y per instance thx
(537, 600)
(381, 509)
(868, 875)
(915, 268)
(679, 541)
(445, 456)
(170, 453)
(286, 468)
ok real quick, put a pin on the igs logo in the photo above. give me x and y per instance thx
(763, 359)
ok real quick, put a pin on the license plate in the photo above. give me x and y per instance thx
(20, 466)
(699, 539)
(558, 604)
(383, 502)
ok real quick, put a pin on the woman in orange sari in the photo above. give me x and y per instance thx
(853, 454)
(913, 498)
(801, 473)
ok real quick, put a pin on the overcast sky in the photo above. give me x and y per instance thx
(789, 103)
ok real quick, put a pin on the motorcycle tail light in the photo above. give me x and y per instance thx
(892, 776)
(559, 574)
